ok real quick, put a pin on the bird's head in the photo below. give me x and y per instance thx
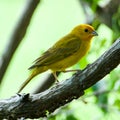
(84, 32)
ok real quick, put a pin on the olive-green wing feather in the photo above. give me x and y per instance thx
(64, 48)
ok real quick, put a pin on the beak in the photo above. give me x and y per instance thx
(94, 33)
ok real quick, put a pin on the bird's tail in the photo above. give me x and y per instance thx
(34, 72)
(25, 83)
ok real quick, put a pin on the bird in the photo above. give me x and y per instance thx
(64, 53)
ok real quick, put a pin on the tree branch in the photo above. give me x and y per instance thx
(103, 13)
(17, 36)
(36, 105)
(106, 13)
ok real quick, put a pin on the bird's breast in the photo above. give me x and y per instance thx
(71, 60)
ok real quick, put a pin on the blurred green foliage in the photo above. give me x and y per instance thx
(116, 23)
(51, 20)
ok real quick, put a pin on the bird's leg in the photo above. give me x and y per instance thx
(56, 78)
(77, 70)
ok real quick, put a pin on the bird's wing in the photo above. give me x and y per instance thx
(64, 48)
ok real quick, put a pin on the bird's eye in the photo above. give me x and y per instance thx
(86, 30)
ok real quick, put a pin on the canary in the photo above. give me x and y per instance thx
(64, 53)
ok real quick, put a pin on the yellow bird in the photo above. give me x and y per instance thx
(64, 53)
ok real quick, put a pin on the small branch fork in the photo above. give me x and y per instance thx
(35, 105)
